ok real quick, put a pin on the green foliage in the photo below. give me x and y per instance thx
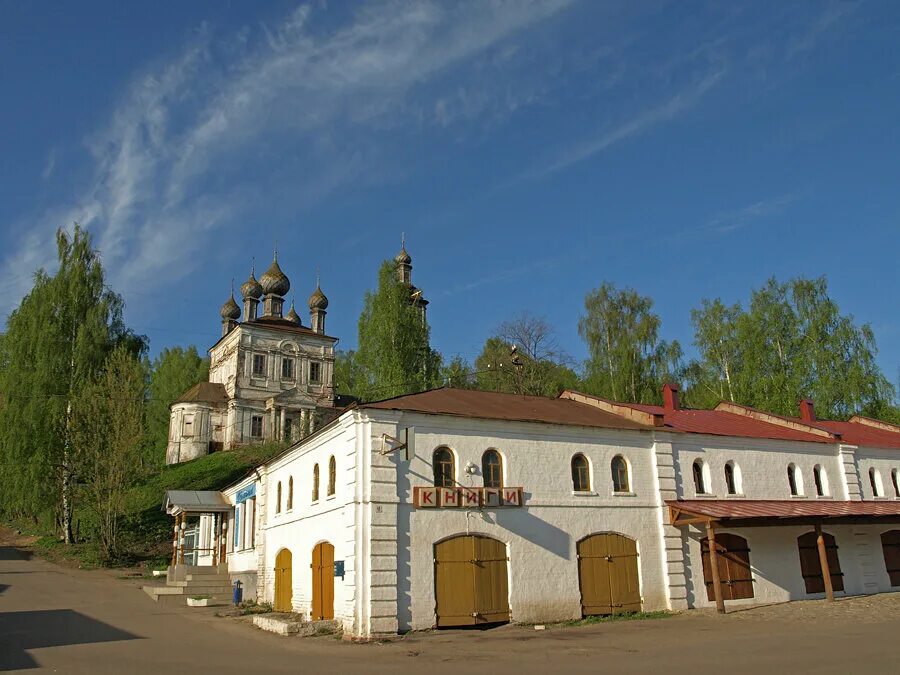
(394, 356)
(628, 360)
(56, 343)
(458, 374)
(538, 367)
(791, 343)
(172, 373)
(348, 374)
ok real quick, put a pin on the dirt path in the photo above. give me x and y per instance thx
(73, 621)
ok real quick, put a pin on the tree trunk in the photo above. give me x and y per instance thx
(66, 481)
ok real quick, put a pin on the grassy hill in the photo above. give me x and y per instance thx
(146, 531)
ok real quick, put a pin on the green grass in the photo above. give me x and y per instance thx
(146, 530)
(610, 618)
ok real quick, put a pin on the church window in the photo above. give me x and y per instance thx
(730, 486)
(256, 426)
(278, 501)
(315, 371)
(188, 425)
(290, 498)
(581, 474)
(287, 368)
(492, 469)
(620, 474)
(332, 475)
(821, 481)
(259, 365)
(699, 478)
(875, 482)
(795, 481)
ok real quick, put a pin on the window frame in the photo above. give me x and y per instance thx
(821, 486)
(262, 430)
(617, 471)
(875, 483)
(315, 486)
(698, 474)
(894, 482)
(492, 472)
(581, 474)
(795, 481)
(258, 358)
(187, 425)
(445, 476)
(290, 495)
(332, 476)
(287, 362)
(278, 499)
(315, 366)
(730, 482)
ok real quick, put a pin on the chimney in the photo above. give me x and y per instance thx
(807, 411)
(670, 397)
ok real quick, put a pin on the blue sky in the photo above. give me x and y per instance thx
(529, 151)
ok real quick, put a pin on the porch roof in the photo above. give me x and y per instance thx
(195, 501)
(762, 512)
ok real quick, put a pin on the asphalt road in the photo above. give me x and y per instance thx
(72, 621)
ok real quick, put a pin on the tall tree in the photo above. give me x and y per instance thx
(394, 355)
(791, 343)
(56, 342)
(537, 366)
(172, 373)
(628, 361)
(108, 429)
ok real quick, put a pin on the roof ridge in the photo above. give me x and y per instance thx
(772, 418)
(875, 423)
(618, 409)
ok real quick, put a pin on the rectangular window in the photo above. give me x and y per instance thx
(187, 428)
(315, 371)
(259, 365)
(237, 526)
(256, 426)
(250, 517)
(287, 369)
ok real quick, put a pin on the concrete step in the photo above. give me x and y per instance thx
(213, 583)
(208, 577)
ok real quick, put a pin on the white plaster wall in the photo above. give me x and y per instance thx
(775, 563)
(763, 464)
(541, 537)
(885, 461)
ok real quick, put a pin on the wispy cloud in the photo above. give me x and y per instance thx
(830, 18)
(737, 219)
(50, 165)
(170, 168)
(641, 122)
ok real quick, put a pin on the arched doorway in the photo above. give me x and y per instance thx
(283, 581)
(608, 574)
(811, 566)
(733, 555)
(890, 546)
(323, 581)
(470, 581)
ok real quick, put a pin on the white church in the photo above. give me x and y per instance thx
(457, 507)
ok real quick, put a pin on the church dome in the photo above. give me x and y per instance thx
(292, 315)
(318, 300)
(274, 281)
(403, 258)
(230, 310)
(251, 288)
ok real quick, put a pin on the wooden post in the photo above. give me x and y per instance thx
(214, 539)
(714, 566)
(175, 543)
(823, 561)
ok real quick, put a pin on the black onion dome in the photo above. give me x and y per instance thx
(403, 258)
(230, 310)
(274, 281)
(318, 300)
(251, 288)
(292, 315)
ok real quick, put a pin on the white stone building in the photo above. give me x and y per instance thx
(559, 508)
(270, 377)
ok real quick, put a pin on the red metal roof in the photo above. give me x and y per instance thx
(854, 433)
(500, 406)
(722, 423)
(742, 509)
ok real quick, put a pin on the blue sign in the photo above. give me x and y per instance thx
(339, 568)
(245, 493)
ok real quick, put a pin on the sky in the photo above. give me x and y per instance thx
(528, 150)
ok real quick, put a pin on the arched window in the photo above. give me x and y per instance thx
(795, 480)
(620, 474)
(315, 490)
(290, 499)
(492, 469)
(699, 481)
(820, 478)
(278, 500)
(332, 475)
(894, 481)
(875, 482)
(581, 474)
(444, 468)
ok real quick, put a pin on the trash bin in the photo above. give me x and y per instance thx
(238, 594)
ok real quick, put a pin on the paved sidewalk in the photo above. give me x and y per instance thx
(73, 621)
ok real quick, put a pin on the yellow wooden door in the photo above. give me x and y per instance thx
(283, 581)
(323, 582)
(471, 585)
(608, 575)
